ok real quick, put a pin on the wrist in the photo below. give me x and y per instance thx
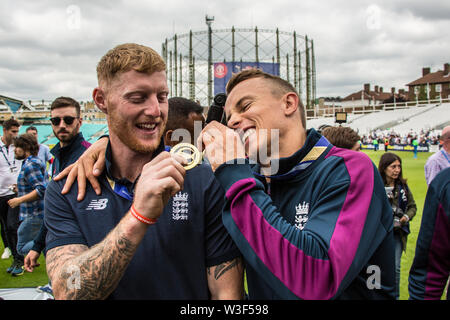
(135, 213)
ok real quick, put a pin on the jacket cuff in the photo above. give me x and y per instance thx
(227, 174)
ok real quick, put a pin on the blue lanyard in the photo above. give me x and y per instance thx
(122, 191)
(446, 157)
(6, 158)
(309, 159)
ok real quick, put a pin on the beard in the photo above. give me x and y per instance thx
(68, 137)
(125, 131)
(21, 157)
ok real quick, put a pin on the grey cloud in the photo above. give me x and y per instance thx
(43, 52)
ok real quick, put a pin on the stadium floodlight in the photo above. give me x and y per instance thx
(209, 20)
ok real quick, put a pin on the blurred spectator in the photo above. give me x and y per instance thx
(184, 115)
(431, 266)
(9, 171)
(31, 184)
(441, 159)
(44, 151)
(402, 202)
(342, 137)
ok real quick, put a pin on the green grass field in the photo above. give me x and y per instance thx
(412, 170)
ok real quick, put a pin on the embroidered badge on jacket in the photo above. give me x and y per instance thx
(180, 206)
(301, 215)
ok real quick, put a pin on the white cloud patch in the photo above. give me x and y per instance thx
(50, 48)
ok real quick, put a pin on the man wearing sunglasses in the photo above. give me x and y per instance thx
(66, 123)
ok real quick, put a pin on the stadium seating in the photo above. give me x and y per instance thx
(44, 131)
(402, 121)
(434, 117)
(91, 131)
(387, 119)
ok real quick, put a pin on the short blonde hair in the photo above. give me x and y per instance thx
(126, 57)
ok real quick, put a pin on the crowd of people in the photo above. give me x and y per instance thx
(303, 213)
(424, 137)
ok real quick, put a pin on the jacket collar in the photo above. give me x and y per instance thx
(305, 156)
(124, 181)
(57, 149)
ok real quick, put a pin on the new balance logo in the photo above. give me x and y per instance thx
(99, 204)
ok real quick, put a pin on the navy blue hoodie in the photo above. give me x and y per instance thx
(322, 229)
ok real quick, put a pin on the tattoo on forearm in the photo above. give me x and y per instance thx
(100, 268)
(221, 269)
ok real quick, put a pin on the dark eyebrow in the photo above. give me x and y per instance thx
(239, 104)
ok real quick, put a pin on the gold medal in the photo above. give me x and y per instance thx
(189, 152)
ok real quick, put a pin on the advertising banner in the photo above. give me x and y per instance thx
(224, 70)
(397, 147)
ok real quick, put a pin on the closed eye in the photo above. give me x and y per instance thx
(136, 97)
(162, 97)
(246, 107)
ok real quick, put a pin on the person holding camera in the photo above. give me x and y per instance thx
(403, 205)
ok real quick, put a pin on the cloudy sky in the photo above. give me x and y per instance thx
(50, 48)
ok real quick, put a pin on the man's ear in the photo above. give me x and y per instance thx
(290, 103)
(99, 97)
(168, 138)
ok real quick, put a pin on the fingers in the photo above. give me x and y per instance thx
(81, 178)
(206, 136)
(91, 177)
(182, 160)
(13, 203)
(173, 186)
(165, 165)
(73, 171)
(99, 165)
(30, 261)
(160, 179)
(92, 159)
(84, 168)
(64, 173)
(27, 264)
(165, 159)
(221, 144)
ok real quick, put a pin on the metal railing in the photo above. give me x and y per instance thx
(329, 111)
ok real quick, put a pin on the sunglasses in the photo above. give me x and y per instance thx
(67, 119)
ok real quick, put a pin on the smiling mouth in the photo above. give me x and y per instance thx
(147, 126)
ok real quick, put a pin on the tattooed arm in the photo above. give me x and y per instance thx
(226, 280)
(101, 267)
(78, 272)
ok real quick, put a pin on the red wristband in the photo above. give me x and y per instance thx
(141, 218)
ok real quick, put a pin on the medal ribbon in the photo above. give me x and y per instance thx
(121, 190)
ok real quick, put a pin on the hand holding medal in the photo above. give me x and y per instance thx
(189, 152)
